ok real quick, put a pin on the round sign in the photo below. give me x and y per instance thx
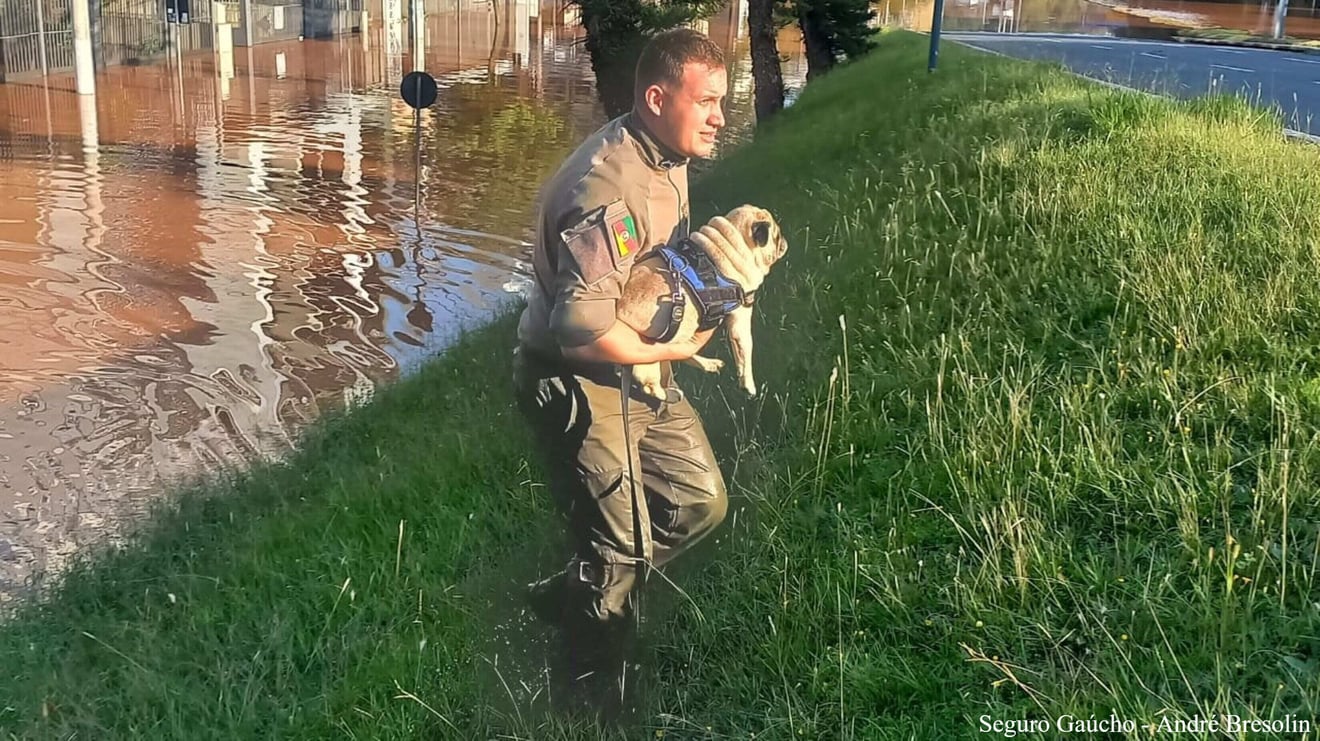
(418, 89)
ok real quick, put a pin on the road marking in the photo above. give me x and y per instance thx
(1301, 61)
(1101, 46)
(1153, 56)
(1235, 69)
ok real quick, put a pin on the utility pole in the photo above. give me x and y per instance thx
(83, 66)
(418, 14)
(1280, 12)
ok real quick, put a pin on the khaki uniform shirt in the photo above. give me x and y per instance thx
(620, 195)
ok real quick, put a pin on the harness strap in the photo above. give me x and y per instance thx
(677, 302)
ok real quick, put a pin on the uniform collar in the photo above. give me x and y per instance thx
(656, 153)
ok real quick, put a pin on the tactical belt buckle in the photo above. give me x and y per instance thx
(587, 572)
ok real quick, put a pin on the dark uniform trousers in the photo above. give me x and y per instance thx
(577, 421)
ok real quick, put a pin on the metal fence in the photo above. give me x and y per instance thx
(130, 31)
(35, 36)
(324, 18)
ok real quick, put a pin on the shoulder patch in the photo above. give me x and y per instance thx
(603, 243)
(625, 234)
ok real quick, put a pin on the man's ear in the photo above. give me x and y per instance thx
(653, 97)
(761, 233)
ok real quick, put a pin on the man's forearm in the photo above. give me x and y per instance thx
(622, 344)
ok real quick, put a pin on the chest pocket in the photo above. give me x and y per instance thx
(604, 243)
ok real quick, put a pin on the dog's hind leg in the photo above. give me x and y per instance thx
(647, 375)
(739, 325)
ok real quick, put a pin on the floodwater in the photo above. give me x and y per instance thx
(210, 252)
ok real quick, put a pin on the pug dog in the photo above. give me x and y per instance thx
(739, 249)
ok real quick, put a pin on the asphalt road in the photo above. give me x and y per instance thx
(1266, 77)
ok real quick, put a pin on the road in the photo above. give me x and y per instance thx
(1289, 80)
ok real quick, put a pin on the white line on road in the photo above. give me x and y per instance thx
(1301, 61)
(1153, 56)
(1075, 39)
(1101, 46)
(1235, 69)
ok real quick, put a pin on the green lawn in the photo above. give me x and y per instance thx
(1039, 435)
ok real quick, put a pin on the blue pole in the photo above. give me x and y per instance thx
(935, 23)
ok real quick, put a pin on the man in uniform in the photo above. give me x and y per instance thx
(622, 194)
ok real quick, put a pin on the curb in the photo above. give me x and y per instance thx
(1248, 44)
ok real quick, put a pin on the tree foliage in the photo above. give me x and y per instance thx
(616, 32)
(832, 30)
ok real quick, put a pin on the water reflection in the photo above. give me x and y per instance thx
(214, 249)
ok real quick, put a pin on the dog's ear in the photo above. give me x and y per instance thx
(761, 233)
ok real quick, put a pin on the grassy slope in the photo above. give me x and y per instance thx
(1039, 437)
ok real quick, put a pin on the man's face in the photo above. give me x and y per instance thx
(691, 115)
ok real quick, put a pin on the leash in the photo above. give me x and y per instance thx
(639, 546)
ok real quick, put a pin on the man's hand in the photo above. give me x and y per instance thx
(623, 345)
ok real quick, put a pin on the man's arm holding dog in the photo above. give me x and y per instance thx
(588, 284)
(584, 323)
(622, 344)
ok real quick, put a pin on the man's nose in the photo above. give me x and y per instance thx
(717, 118)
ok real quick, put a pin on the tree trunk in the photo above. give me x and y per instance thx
(765, 59)
(820, 54)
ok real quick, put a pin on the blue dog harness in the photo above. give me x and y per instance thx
(714, 294)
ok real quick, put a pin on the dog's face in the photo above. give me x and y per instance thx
(761, 232)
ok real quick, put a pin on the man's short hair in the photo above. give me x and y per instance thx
(665, 54)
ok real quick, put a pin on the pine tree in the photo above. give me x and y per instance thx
(832, 30)
(616, 32)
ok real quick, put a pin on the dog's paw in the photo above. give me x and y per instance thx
(749, 388)
(655, 390)
(710, 365)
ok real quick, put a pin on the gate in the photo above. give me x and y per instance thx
(132, 31)
(24, 26)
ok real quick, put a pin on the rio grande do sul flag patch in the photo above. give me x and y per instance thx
(625, 236)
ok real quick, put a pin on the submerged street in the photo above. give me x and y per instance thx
(208, 253)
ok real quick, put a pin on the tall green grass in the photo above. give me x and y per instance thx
(1038, 438)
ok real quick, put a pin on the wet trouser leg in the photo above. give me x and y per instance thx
(577, 423)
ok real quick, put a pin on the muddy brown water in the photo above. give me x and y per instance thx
(210, 252)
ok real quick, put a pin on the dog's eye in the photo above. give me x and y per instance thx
(761, 233)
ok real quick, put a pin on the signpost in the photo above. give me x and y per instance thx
(418, 90)
(935, 22)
